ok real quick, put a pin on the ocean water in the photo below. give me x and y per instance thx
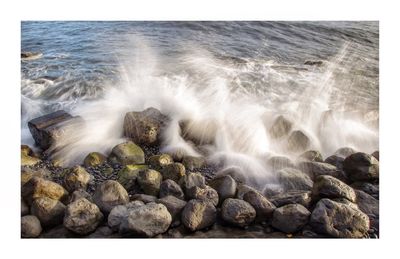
(232, 79)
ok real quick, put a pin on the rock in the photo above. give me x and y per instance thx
(336, 161)
(205, 194)
(315, 169)
(169, 187)
(233, 171)
(225, 187)
(110, 194)
(326, 186)
(158, 162)
(313, 62)
(272, 189)
(126, 153)
(146, 221)
(103, 232)
(47, 129)
(193, 162)
(79, 194)
(177, 154)
(277, 163)
(292, 197)
(371, 189)
(30, 226)
(264, 208)
(237, 212)
(280, 127)
(338, 220)
(82, 217)
(312, 155)
(200, 132)
(27, 160)
(174, 206)
(30, 55)
(361, 167)
(38, 187)
(76, 178)
(298, 141)
(293, 179)
(94, 159)
(198, 214)
(192, 180)
(242, 189)
(24, 208)
(26, 150)
(58, 232)
(120, 213)
(145, 127)
(376, 155)
(370, 206)
(144, 198)
(174, 171)
(50, 212)
(128, 175)
(344, 152)
(149, 181)
(290, 218)
(28, 173)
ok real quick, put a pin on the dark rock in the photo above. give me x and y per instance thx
(376, 155)
(313, 62)
(370, 206)
(264, 208)
(38, 187)
(242, 189)
(145, 127)
(235, 172)
(225, 187)
(315, 169)
(198, 214)
(120, 213)
(50, 212)
(277, 163)
(169, 187)
(298, 141)
(292, 197)
(326, 186)
(292, 179)
(338, 220)
(58, 232)
(237, 212)
(193, 162)
(30, 226)
(144, 198)
(206, 194)
(371, 189)
(79, 194)
(76, 178)
(336, 161)
(149, 181)
(30, 55)
(280, 127)
(128, 175)
(174, 205)
(110, 194)
(345, 152)
(191, 180)
(94, 159)
(173, 171)
(272, 189)
(24, 208)
(158, 162)
(361, 167)
(82, 217)
(103, 232)
(312, 155)
(290, 218)
(126, 153)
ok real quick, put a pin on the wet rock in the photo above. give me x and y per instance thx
(30, 55)
(191, 180)
(376, 155)
(28, 173)
(237, 212)
(315, 169)
(280, 127)
(336, 161)
(264, 208)
(361, 167)
(193, 162)
(169, 187)
(313, 62)
(225, 187)
(290, 218)
(298, 141)
(326, 186)
(24, 208)
(198, 214)
(126, 153)
(76, 178)
(292, 179)
(50, 212)
(338, 220)
(199, 132)
(79, 194)
(146, 221)
(145, 127)
(272, 189)
(94, 159)
(206, 194)
(144, 198)
(292, 197)
(149, 181)
(158, 162)
(371, 189)
(174, 205)
(110, 194)
(233, 171)
(242, 189)
(370, 206)
(30, 226)
(277, 163)
(344, 152)
(128, 175)
(312, 155)
(82, 217)
(173, 171)
(27, 160)
(103, 232)
(38, 187)
(120, 213)
(58, 232)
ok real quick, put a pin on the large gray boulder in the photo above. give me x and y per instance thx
(174, 205)
(126, 153)
(264, 208)
(237, 212)
(50, 212)
(336, 161)
(82, 217)
(30, 226)
(120, 213)
(370, 206)
(205, 194)
(371, 189)
(76, 178)
(149, 181)
(191, 180)
(110, 194)
(198, 214)
(170, 187)
(337, 219)
(290, 218)
(293, 179)
(361, 167)
(326, 186)
(225, 187)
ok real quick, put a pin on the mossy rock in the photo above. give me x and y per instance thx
(28, 160)
(126, 153)
(127, 176)
(149, 181)
(158, 162)
(94, 159)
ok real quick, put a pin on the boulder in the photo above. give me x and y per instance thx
(370, 206)
(149, 181)
(198, 214)
(277, 163)
(76, 178)
(144, 198)
(326, 186)
(376, 155)
(205, 194)
(344, 152)
(27, 160)
(361, 167)
(369, 188)
(169, 187)
(38, 187)
(145, 127)
(30, 226)
(27, 174)
(158, 162)
(82, 217)
(280, 127)
(272, 189)
(315, 169)
(192, 162)
(290, 218)
(298, 141)
(120, 213)
(94, 159)
(311, 155)
(174, 205)
(233, 171)
(24, 208)
(292, 197)
(148, 220)
(242, 189)
(79, 194)
(225, 187)
(337, 219)
(50, 212)
(47, 129)
(173, 171)
(110, 194)
(336, 161)
(293, 179)
(264, 208)
(237, 212)
(126, 153)
(191, 180)
(128, 175)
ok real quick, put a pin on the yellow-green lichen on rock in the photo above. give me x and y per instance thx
(127, 176)
(126, 153)
(94, 159)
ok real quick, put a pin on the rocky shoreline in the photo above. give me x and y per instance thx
(136, 191)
